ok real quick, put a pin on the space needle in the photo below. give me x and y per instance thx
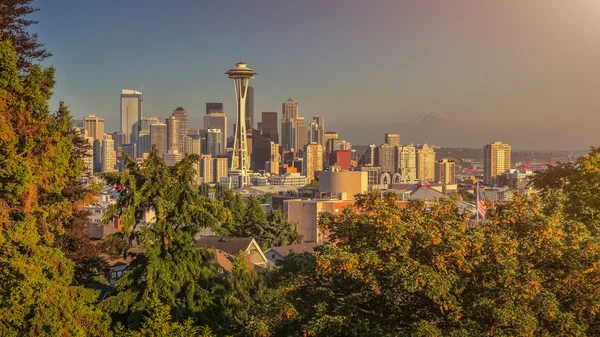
(240, 161)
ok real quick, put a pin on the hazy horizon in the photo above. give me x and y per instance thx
(521, 72)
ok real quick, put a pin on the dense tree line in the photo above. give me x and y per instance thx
(530, 269)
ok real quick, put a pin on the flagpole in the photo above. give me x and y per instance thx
(477, 204)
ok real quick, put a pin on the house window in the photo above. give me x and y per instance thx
(272, 256)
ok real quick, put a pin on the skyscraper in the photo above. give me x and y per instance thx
(158, 137)
(289, 111)
(214, 142)
(147, 121)
(384, 158)
(316, 130)
(240, 159)
(131, 113)
(313, 160)
(109, 159)
(206, 169)
(144, 144)
(426, 163)
(406, 163)
(94, 127)
(172, 135)
(301, 132)
(250, 108)
(446, 172)
(181, 115)
(392, 139)
(496, 160)
(217, 120)
(214, 107)
(118, 138)
(269, 126)
(220, 168)
(193, 144)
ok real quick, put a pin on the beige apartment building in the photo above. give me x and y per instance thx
(496, 160)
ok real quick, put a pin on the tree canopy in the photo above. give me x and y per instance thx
(38, 170)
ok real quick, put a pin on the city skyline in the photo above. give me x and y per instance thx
(509, 62)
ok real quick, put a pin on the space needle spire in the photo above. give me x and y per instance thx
(240, 163)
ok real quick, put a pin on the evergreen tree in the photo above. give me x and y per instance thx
(37, 297)
(14, 27)
(171, 269)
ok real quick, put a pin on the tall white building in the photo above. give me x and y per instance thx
(313, 160)
(406, 157)
(426, 163)
(109, 157)
(131, 114)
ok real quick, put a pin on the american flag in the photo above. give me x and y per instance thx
(481, 207)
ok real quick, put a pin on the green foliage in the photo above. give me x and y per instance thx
(422, 270)
(171, 269)
(246, 306)
(159, 324)
(249, 219)
(38, 196)
(579, 183)
(14, 27)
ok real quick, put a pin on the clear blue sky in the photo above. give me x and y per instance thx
(367, 66)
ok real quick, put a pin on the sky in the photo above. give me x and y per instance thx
(524, 72)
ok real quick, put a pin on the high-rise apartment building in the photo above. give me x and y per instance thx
(406, 163)
(158, 137)
(181, 115)
(172, 135)
(131, 114)
(496, 160)
(250, 109)
(426, 163)
(214, 142)
(109, 158)
(214, 107)
(289, 111)
(193, 144)
(220, 168)
(385, 158)
(217, 120)
(313, 160)
(392, 139)
(94, 127)
(206, 169)
(446, 172)
(269, 126)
